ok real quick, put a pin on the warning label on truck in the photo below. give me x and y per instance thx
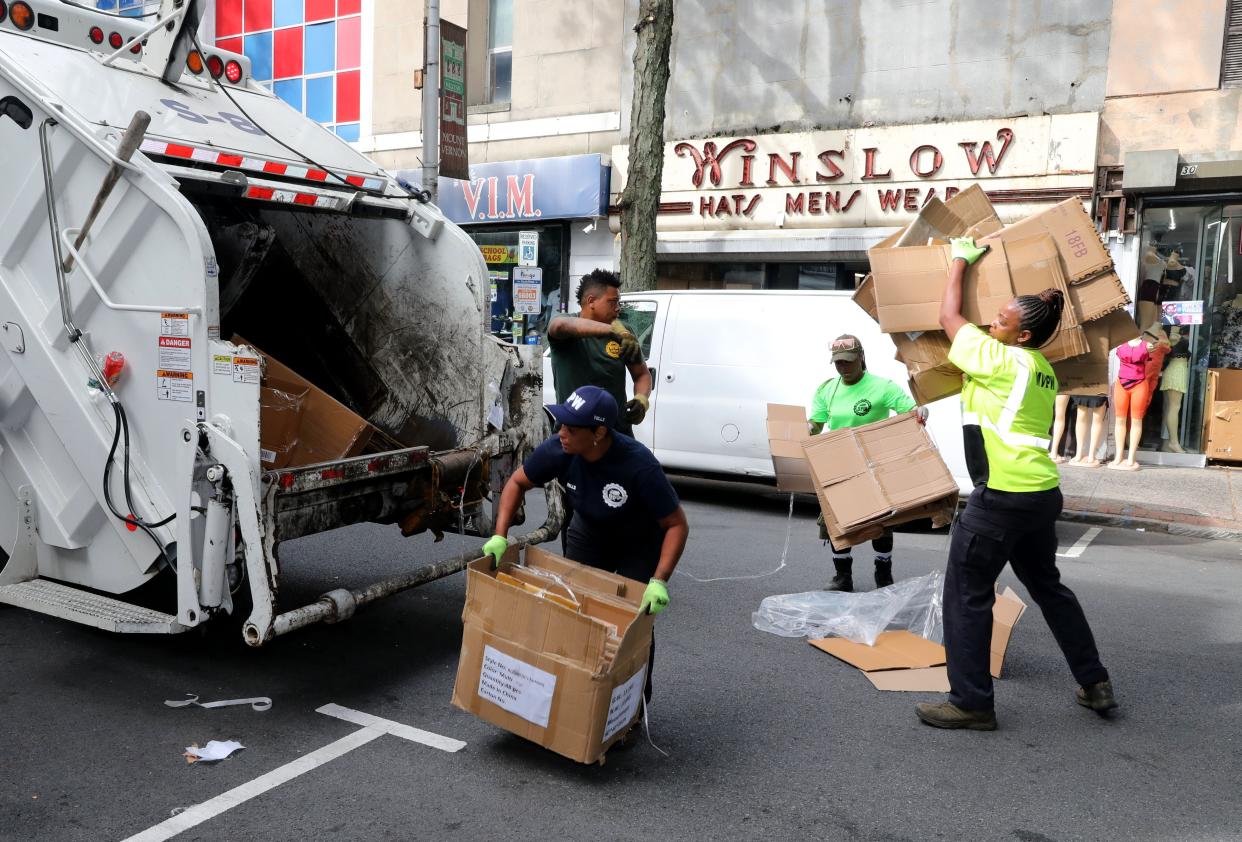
(222, 364)
(174, 385)
(174, 324)
(174, 353)
(246, 370)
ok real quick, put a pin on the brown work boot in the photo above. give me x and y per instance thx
(1098, 697)
(949, 715)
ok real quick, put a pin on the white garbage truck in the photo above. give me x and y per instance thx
(223, 329)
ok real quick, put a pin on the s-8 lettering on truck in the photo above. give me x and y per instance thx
(365, 389)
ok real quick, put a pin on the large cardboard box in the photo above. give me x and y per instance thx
(864, 297)
(553, 651)
(901, 660)
(787, 427)
(327, 429)
(1224, 415)
(1082, 252)
(968, 214)
(1088, 374)
(281, 404)
(878, 475)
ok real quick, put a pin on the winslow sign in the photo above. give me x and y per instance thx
(869, 176)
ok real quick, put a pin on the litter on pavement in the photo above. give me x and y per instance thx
(259, 703)
(214, 750)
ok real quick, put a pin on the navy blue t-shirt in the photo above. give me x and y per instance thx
(621, 497)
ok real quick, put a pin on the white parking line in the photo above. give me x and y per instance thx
(395, 728)
(1081, 544)
(373, 728)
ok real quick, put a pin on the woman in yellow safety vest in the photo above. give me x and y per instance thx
(1008, 395)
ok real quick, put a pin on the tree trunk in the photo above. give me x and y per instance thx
(640, 200)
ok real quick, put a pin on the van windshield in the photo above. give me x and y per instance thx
(120, 8)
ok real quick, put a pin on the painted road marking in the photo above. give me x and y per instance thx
(416, 735)
(373, 728)
(1082, 543)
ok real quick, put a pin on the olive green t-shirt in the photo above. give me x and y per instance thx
(589, 361)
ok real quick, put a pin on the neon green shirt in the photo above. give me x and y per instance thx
(1008, 395)
(837, 405)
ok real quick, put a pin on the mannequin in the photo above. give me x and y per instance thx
(1058, 427)
(1092, 415)
(1131, 397)
(1173, 384)
(1150, 289)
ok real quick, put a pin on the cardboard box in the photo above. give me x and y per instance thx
(328, 430)
(787, 427)
(1097, 296)
(1087, 374)
(570, 680)
(876, 475)
(864, 297)
(281, 404)
(968, 214)
(1223, 414)
(901, 660)
(1082, 253)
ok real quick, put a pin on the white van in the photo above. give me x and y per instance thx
(718, 358)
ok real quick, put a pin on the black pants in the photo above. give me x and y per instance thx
(631, 561)
(1019, 528)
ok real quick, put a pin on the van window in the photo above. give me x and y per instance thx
(640, 318)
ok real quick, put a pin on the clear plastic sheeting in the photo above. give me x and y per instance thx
(915, 605)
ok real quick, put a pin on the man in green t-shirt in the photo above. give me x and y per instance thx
(851, 399)
(596, 349)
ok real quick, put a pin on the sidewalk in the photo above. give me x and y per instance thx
(1204, 502)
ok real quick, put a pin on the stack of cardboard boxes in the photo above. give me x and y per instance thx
(1057, 248)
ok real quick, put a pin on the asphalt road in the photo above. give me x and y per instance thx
(766, 737)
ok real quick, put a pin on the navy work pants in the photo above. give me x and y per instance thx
(1019, 528)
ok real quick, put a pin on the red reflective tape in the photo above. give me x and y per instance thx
(229, 160)
(259, 193)
(332, 473)
(178, 151)
(304, 199)
(316, 175)
(377, 464)
(275, 168)
(286, 481)
(355, 180)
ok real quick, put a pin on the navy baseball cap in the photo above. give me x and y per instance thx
(586, 406)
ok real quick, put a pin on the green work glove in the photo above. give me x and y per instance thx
(631, 351)
(655, 598)
(495, 547)
(965, 248)
(636, 409)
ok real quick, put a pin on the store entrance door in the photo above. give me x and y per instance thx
(1187, 291)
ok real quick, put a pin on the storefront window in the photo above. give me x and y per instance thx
(1189, 265)
(500, 250)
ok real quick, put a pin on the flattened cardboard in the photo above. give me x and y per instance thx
(1224, 415)
(935, 384)
(909, 284)
(1082, 253)
(901, 660)
(974, 209)
(787, 427)
(545, 649)
(871, 476)
(1097, 296)
(864, 297)
(329, 430)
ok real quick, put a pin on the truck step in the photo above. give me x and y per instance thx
(90, 609)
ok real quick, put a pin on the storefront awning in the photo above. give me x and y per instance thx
(804, 244)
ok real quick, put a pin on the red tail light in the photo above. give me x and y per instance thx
(4, 11)
(115, 41)
(232, 71)
(96, 35)
(215, 66)
(137, 48)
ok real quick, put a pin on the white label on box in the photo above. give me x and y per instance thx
(624, 704)
(246, 370)
(174, 324)
(174, 386)
(174, 353)
(517, 686)
(266, 455)
(222, 364)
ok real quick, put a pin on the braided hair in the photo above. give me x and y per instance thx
(1040, 315)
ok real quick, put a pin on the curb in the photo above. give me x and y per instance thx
(1125, 521)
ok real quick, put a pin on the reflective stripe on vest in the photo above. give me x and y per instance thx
(1009, 412)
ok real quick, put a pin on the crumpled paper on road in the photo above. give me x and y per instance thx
(915, 605)
(214, 750)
